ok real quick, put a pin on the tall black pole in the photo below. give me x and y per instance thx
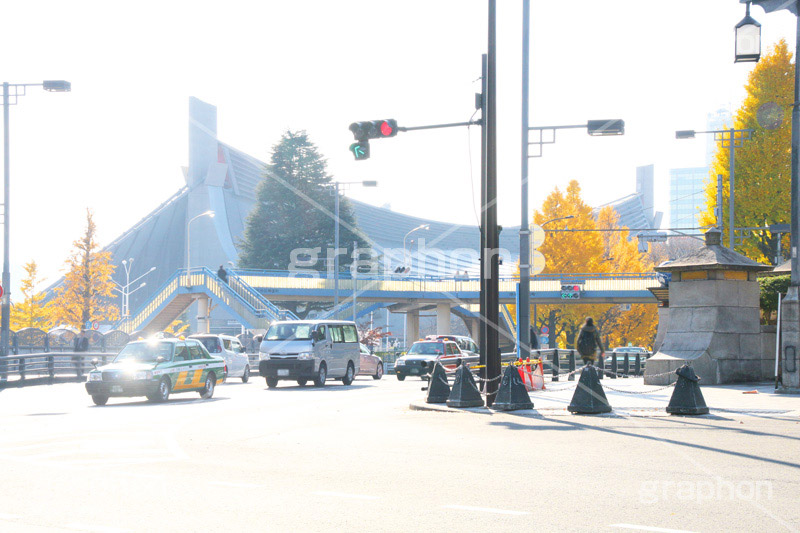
(5, 324)
(482, 326)
(524, 308)
(489, 254)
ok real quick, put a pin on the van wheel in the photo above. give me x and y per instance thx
(272, 382)
(400, 377)
(322, 375)
(99, 399)
(378, 372)
(302, 382)
(349, 375)
(246, 375)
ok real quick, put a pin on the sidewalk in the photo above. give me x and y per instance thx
(722, 400)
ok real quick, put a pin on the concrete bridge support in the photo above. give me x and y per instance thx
(202, 315)
(412, 327)
(443, 319)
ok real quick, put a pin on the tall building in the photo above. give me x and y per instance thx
(718, 120)
(686, 196)
(636, 211)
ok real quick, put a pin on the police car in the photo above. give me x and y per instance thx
(156, 368)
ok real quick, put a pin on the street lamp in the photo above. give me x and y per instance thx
(420, 227)
(337, 186)
(748, 39)
(734, 139)
(14, 91)
(125, 290)
(556, 219)
(208, 213)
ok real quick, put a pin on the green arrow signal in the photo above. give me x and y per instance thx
(360, 150)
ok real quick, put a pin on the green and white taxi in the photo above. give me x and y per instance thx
(156, 368)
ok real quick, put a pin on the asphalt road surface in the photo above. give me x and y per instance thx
(358, 459)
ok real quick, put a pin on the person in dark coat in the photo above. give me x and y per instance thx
(589, 342)
(81, 342)
(222, 274)
(534, 339)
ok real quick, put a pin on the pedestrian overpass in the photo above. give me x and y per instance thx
(249, 294)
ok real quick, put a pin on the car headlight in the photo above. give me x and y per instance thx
(142, 374)
(400, 362)
(263, 356)
(305, 356)
(95, 376)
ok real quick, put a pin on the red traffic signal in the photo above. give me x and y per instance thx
(374, 129)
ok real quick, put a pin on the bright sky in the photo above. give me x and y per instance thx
(117, 142)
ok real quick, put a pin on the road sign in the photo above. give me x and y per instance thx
(95, 325)
(88, 325)
(545, 330)
(544, 339)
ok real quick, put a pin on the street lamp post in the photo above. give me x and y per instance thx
(125, 290)
(208, 213)
(734, 139)
(790, 317)
(420, 227)
(336, 187)
(11, 94)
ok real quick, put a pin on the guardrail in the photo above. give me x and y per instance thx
(558, 361)
(47, 368)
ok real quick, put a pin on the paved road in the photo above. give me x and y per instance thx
(357, 458)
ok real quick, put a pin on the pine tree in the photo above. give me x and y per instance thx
(294, 209)
(763, 164)
(87, 291)
(31, 312)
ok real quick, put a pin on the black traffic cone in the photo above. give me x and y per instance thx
(465, 393)
(687, 399)
(512, 394)
(438, 387)
(589, 397)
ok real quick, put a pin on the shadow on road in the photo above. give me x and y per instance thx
(170, 402)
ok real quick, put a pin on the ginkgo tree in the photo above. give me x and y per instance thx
(31, 312)
(762, 164)
(87, 291)
(585, 250)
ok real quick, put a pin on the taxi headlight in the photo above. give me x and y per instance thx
(305, 356)
(95, 376)
(143, 374)
(263, 356)
(400, 362)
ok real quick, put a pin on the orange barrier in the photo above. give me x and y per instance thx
(532, 374)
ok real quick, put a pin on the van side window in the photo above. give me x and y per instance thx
(321, 330)
(336, 333)
(350, 334)
(226, 343)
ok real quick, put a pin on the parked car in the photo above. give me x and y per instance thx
(230, 349)
(423, 355)
(371, 365)
(155, 369)
(303, 350)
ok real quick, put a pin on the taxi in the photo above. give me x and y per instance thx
(423, 356)
(155, 368)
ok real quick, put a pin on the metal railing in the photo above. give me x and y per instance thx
(558, 361)
(46, 368)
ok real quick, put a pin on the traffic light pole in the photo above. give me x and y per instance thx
(489, 262)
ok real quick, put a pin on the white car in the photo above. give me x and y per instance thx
(229, 348)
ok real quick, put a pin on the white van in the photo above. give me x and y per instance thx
(303, 350)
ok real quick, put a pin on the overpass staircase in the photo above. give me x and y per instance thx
(236, 297)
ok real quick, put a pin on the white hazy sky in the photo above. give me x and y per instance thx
(117, 142)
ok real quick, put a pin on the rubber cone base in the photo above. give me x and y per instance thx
(438, 387)
(465, 393)
(589, 397)
(512, 394)
(687, 399)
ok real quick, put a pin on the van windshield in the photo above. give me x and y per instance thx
(289, 332)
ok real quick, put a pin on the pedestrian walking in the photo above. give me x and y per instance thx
(589, 342)
(222, 274)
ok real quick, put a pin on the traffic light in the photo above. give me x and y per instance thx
(374, 129)
(570, 292)
(360, 150)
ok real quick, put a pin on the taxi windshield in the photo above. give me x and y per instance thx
(145, 352)
(427, 348)
(289, 332)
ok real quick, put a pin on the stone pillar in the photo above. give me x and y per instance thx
(663, 323)
(790, 342)
(202, 315)
(474, 327)
(412, 327)
(443, 319)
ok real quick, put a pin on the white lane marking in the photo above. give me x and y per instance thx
(239, 485)
(97, 529)
(484, 509)
(649, 528)
(345, 495)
